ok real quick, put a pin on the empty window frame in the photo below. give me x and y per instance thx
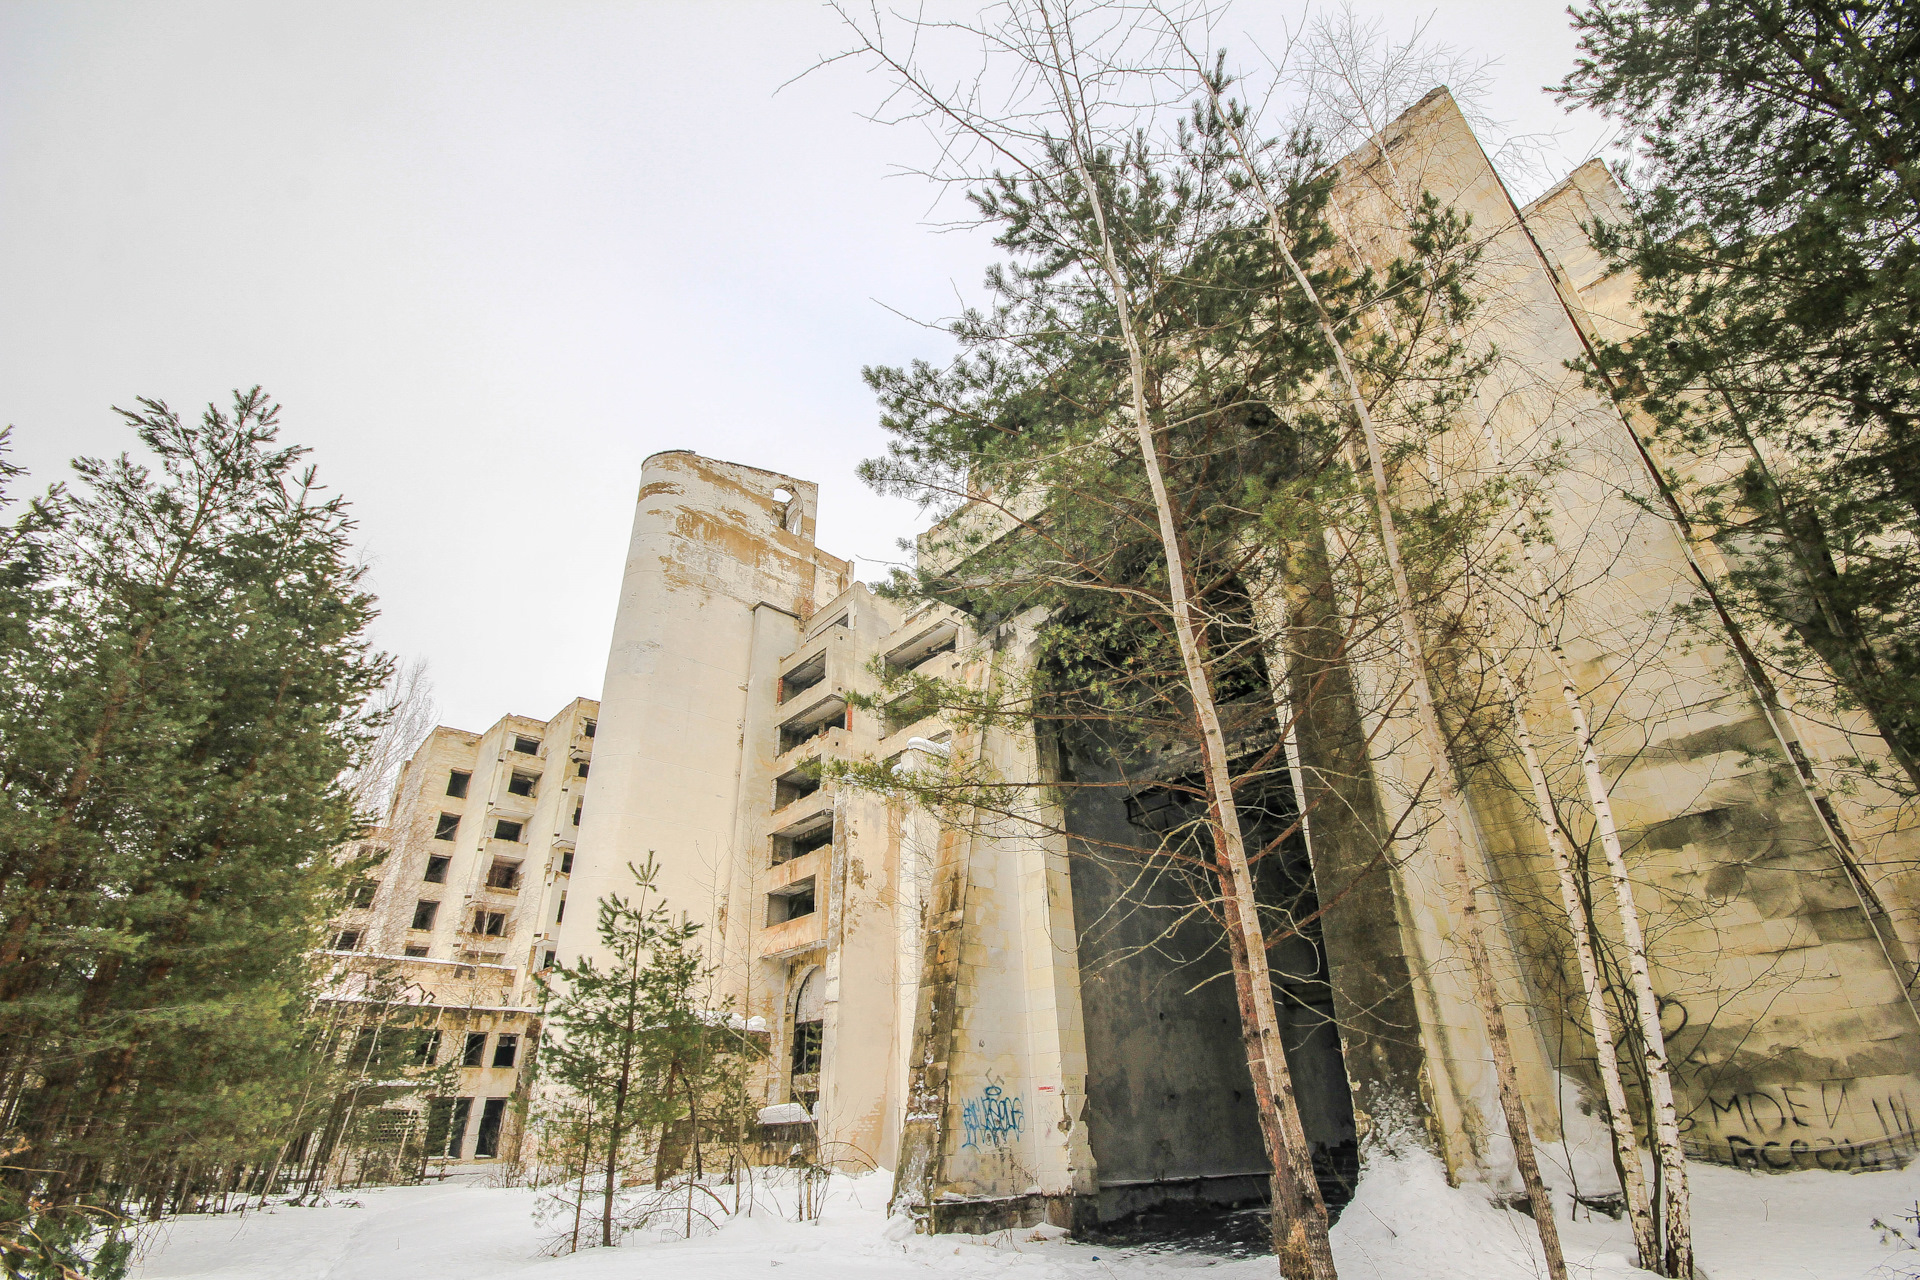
(437, 869)
(810, 724)
(361, 894)
(576, 814)
(590, 727)
(924, 646)
(447, 1126)
(504, 829)
(521, 784)
(475, 1051)
(548, 959)
(347, 940)
(798, 842)
(423, 912)
(803, 677)
(506, 1048)
(490, 924)
(560, 911)
(583, 768)
(415, 951)
(809, 1026)
(427, 1051)
(790, 902)
(503, 875)
(526, 746)
(566, 862)
(457, 782)
(448, 828)
(909, 709)
(486, 1142)
(796, 784)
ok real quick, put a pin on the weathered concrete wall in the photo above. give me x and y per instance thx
(711, 540)
(1766, 961)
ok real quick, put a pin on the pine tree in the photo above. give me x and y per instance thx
(188, 691)
(634, 1050)
(1140, 443)
(1774, 187)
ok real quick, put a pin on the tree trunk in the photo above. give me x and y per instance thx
(1300, 1235)
(1626, 1149)
(1453, 802)
(1677, 1257)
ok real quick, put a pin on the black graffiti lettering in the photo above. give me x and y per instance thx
(1801, 1153)
(1741, 1153)
(1793, 1104)
(1765, 1154)
(1832, 1099)
(1843, 1155)
(1753, 1114)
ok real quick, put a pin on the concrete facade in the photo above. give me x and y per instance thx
(465, 907)
(954, 1002)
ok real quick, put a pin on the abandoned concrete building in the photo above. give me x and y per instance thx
(464, 907)
(941, 1002)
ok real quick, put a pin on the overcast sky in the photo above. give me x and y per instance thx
(490, 256)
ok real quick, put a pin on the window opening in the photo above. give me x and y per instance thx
(476, 1049)
(566, 863)
(503, 875)
(423, 913)
(796, 784)
(576, 814)
(591, 726)
(449, 825)
(508, 831)
(521, 784)
(347, 940)
(790, 845)
(526, 746)
(361, 895)
(560, 912)
(427, 1051)
(505, 1049)
(583, 768)
(437, 869)
(456, 1131)
(547, 959)
(491, 924)
(791, 902)
(811, 724)
(803, 677)
(487, 1141)
(415, 951)
(457, 783)
(809, 1036)
(924, 647)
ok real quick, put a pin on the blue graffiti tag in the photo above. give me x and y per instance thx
(992, 1119)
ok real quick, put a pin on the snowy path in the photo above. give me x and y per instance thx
(1405, 1225)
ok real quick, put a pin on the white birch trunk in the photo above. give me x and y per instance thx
(1301, 1235)
(1453, 802)
(1677, 1220)
(1626, 1147)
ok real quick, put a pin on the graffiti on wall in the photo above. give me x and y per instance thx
(991, 1119)
(1831, 1124)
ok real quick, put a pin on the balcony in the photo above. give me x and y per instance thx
(790, 937)
(813, 722)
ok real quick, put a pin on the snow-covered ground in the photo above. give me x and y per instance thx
(1406, 1224)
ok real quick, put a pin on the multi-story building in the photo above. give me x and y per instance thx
(464, 907)
(965, 1003)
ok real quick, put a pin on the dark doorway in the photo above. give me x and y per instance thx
(1170, 1110)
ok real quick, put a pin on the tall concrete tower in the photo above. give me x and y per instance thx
(720, 570)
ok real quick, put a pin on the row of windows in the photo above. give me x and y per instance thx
(503, 828)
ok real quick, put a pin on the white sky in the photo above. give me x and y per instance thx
(490, 256)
